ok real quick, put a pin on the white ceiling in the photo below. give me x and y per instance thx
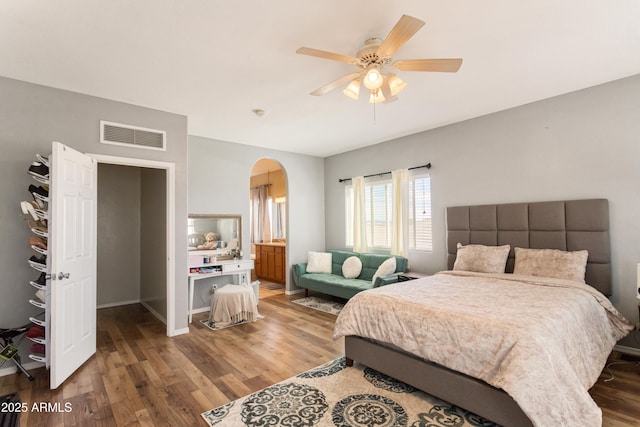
(214, 61)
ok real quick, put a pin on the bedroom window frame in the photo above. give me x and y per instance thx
(420, 238)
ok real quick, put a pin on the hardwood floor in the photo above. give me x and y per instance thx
(139, 376)
(617, 392)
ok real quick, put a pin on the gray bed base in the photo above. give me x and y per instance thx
(461, 390)
(566, 225)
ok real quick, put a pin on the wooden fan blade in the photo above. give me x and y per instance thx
(442, 65)
(404, 29)
(328, 55)
(336, 83)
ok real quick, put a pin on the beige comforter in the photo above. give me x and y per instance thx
(543, 341)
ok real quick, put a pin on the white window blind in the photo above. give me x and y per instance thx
(420, 226)
(378, 200)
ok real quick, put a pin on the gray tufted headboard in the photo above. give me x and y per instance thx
(566, 225)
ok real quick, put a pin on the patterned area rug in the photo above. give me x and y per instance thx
(211, 325)
(321, 304)
(334, 395)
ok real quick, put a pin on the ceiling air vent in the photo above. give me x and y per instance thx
(132, 136)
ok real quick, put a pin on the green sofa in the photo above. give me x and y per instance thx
(336, 284)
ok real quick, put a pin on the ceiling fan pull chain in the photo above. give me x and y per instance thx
(374, 113)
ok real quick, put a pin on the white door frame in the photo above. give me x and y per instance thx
(171, 190)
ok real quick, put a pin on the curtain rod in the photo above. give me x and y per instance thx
(258, 186)
(428, 166)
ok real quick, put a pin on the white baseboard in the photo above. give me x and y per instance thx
(200, 310)
(155, 313)
(12, 369)
(297, 291)
(180, 332)
(118, 304)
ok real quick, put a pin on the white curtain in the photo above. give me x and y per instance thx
(359, 215)
(260, 220)
(400, 212)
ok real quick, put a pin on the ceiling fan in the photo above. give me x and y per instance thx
(371, 59)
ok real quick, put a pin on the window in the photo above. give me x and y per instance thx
(378, 200)
(420, 236)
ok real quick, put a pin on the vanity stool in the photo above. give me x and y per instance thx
(233, 304)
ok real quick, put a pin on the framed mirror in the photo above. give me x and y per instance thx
(215, 234)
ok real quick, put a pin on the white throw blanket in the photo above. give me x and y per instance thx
(233, 304)
(543, 341)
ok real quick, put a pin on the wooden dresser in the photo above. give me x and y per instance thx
(270, 261)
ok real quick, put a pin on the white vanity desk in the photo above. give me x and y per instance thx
(241, 267)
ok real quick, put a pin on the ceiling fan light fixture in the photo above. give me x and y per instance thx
(353, 89)
(396, 84)
(374, 56)
(373, 79)
(376, 97)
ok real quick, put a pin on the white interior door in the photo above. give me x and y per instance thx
(72, 249)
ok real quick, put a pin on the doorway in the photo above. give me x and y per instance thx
(150, 240)
(269, 222)
(131, 232)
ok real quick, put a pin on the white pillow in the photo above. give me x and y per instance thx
(319, 262)
(387, 267)
(352, 267)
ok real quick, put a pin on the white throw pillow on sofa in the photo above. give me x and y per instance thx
(387, 267)
(319, 262)
(352, 267)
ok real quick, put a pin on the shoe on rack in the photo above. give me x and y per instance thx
(35, 331)
(43, 159)
(37, 348)
(38, 242)
(34, 209)
(41, 214)
(39, 192)
(39, 169)
(38, 228)
(42, 279)
(41, 282)
(40, 251)
(39, 204)
(38, 260)
(41, 295)
(28, 208)
(38, 264)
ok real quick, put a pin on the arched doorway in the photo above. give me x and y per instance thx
(268, 223)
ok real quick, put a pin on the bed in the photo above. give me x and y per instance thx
(518, 349)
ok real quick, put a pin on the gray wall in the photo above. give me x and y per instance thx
(118, 231)
(31, 116)
(153, 236)
(579, 145)
(219, 174)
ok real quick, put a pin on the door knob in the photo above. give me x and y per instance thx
(63, 276)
